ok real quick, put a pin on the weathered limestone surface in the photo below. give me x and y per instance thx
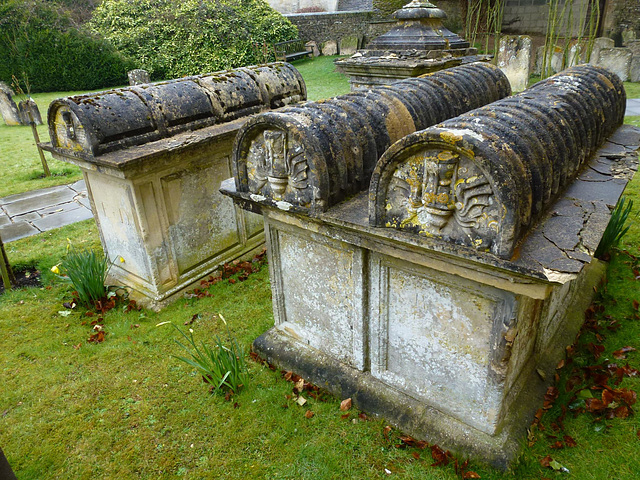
(598, 44)
(417, 44)
(483, 178)
(28, 110)
(314, 155)
(330, 47)
(449, 342)
(514, 57)
(153, 157)
(349, 45)
(8, 108)
(616, 60)
(138, 77)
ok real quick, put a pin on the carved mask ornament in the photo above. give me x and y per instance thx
(277, 168)
(440, 193)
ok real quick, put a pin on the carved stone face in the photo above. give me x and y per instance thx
(439, 193)
(277, 168)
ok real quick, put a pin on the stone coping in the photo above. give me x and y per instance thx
(135, 157)
(546, 254)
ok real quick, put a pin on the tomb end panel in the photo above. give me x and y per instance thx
(122, 239)
(440, 339)
(202, 222)
(319, 292)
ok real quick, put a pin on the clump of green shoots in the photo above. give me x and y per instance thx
(616, 228)
(224, 368)
(87, 271)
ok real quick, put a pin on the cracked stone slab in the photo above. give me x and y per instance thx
(32, 194)
(84, 201)
(590, 175)
(578, 255)
(627, 135)
(541, 250)
(563, 232)
(61, 219)
(38, 202)
(26, 217)
(4, 220)
(566, 265)
(16, 231)
(612, 150)
(79, 186)
(63, 207)
(608, 191)
(593, 230)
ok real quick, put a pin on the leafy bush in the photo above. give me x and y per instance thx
(40, 41)
(174, 38)
(221, 367)
(87, 271)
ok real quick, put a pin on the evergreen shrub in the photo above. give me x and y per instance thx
(41, 44)
(174, 38)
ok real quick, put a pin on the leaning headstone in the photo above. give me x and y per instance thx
(628, 36)
(616, 60)
(313, 47)
(138, 77)
(598, 44)
(8, 108)
(349, 45)
(28, 110)
(514, 55)
(330, 47)
(634, 68)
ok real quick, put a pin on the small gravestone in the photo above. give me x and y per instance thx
(598, 44)
(28, 110)
(634, 68)
(514, 55)
(616, 60)
(8, 108)
(138, 77)
(554, 64)
(628, 36)
(330, 47)
(349, 45)
(313, 47)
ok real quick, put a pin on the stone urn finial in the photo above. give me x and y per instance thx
(419, 27)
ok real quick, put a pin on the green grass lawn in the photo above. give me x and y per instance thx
(125, 409)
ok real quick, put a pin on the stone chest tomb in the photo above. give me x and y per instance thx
(152, 156)
(440, 286)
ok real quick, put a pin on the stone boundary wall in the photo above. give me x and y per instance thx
(529, 16)
(324, 27)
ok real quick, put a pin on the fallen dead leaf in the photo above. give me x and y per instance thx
(309, 414)
(345, 405)
(301, 400)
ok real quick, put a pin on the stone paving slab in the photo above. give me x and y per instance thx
(59, 208)
(30, 213)
(79, 186)
(39, 202)
(17, 231)
(633, 107)
(61, 219)
(32, 194)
